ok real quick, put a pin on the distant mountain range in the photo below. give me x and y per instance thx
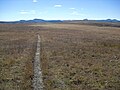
(31, 21)
(107, 20)
(56, 21)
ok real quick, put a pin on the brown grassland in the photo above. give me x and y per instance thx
(17, 50)
(73, 56)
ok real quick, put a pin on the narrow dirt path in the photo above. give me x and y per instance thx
(37, 79)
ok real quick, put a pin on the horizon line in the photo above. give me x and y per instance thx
(57, 19)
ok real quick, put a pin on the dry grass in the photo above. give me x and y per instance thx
(17, 48)
(80, 57)
(73, 56)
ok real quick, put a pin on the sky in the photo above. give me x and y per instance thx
(12, 10)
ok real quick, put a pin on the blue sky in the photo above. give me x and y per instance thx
(12, 10)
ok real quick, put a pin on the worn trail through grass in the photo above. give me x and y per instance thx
(37, 79)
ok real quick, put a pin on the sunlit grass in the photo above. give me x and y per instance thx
(73, 56)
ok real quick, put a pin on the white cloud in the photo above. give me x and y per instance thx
(27, 12)
(76, 9)
(77, 13)
(72, 8)
(58, 5)
(35, 1)
(23, 12)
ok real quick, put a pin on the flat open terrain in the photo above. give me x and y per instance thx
(17, 49)
(73, 56)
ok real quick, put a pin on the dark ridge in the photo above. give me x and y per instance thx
(101, 23)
